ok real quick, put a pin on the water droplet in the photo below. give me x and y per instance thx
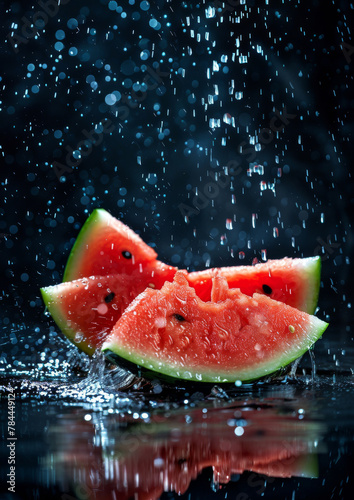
(254, 218)
(78, 337)
(102, 309)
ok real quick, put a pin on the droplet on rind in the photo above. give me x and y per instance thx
(78, 337)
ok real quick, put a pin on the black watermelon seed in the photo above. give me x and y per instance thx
(179, 317)
(109, 297)
(126, 254)
(267, 289)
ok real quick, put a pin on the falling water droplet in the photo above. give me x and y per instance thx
(254, 217)
(229, 224)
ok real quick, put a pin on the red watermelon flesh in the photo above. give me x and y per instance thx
(87, 309)
(107, 246)
(173, 332)
(295, 282)
(74, 316)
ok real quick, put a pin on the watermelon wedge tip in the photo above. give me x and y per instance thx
(86, 309)
(105, 245)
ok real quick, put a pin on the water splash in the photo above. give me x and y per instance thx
(313, 365)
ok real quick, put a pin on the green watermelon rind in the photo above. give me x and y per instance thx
(307, 466)
(315, 329)
(51, 297)
(98, 218)
(311, 269)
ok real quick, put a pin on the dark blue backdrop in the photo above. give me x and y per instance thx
(160, 113)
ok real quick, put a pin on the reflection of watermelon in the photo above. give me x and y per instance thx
(235, 337)
(144, 460)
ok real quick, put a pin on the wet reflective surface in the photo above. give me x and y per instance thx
(86, 439)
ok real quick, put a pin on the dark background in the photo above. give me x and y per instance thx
(163, 145)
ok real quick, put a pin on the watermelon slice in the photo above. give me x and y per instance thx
(107, 246)
(87, 309)
(74, 304)
(234, 337)
(295, 282)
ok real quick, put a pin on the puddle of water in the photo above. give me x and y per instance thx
(84, 440)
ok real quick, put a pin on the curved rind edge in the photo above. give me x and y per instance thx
(95, 218)
(314, 290)
(316, 329)
(308, 466)
(50, 300)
